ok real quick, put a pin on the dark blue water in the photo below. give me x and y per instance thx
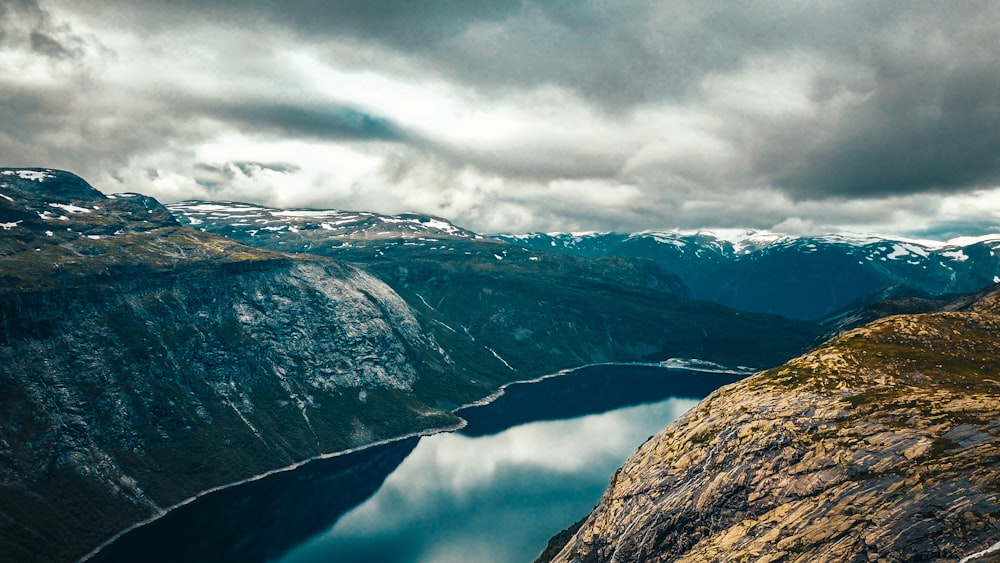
(526, 466)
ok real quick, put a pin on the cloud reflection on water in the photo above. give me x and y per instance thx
(491, 498)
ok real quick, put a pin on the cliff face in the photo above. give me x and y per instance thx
(144, 362)
(883, 445)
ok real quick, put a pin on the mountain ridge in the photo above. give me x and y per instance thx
(806, 278)
(446, 269)
(145, 362)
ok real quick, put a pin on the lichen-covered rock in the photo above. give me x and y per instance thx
(883, 445)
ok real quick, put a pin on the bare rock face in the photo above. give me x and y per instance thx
(883, 445)
(144, 362)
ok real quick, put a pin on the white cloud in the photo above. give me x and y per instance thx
(586, 116)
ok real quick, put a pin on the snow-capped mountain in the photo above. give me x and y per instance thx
(799, 277)
(300, 229)
(521, 305)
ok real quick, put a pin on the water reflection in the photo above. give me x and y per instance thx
(260, 520)
(591, 390)
(490, 498)
(532, 462)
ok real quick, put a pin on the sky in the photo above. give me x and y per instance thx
(515, 116)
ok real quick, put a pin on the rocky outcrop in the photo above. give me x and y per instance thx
(883, 445)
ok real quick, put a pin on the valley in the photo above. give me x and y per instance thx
(153, 353)
(148, 361)
(448, 282)
(492, 490)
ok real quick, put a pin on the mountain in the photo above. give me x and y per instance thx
(302, 229)
(146, 361)
(797, 277)
(531, 310)
(881, 445)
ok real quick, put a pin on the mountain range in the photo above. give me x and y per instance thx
(811, 278)
(526, 305)
(146, 360)
(155, 352)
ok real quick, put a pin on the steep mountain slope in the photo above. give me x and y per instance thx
(530, 310)
(883, 445)
(797, 277)
(145, 361)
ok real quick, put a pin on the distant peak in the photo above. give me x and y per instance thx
(36, 174)
(332, 222)
(46, 182)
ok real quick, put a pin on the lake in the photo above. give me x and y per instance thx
(526, 466)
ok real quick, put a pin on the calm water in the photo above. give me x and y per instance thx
(525, 467)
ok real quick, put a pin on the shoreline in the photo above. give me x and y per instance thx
(163, 512)
(685, 364)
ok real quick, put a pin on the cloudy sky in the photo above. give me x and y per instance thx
(506, 115)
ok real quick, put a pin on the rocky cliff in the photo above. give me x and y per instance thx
(883, 445)
(144, 362)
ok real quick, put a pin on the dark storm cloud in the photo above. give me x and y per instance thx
(25, 24)
(952, 229)
(331, 122)
(216, 177)
(926, 125)
(615, 53)
(409, 24)
(930, 121)
(40, 125)
(250, 168)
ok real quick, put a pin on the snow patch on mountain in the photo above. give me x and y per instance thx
(969, 241)
(36, 175)
(902, 250)
(71, 208)
(957, 255)
(335, 223)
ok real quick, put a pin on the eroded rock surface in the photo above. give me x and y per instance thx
(883, 445)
